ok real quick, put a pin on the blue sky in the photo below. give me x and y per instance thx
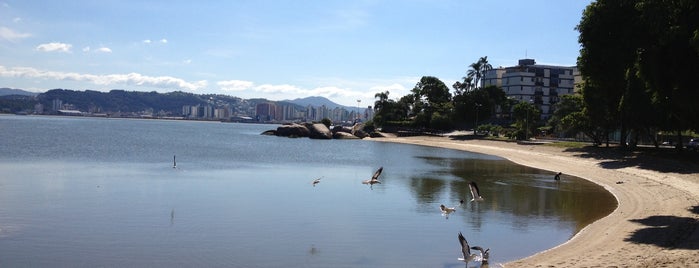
(343, 50)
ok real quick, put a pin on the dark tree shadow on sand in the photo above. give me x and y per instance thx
(614, 157)
(656, 159)
(668, 231)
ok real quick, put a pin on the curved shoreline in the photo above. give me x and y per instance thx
(655, 224)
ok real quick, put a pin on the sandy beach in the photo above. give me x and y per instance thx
(655, 225)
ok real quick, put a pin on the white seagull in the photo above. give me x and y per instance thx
(475, 193)
(465, 249)
(485, 254)
(374, 179)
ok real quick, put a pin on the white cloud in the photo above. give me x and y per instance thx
(104, 50)
(187, 61)
(17, 20)
(164, 41)
(147, 41)
(10, 35)
(54, 46)
(234, 85)
(133, 79)
(278, 89)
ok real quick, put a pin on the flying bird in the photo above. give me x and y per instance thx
(446, 210)
(316, 181)
(475, 193)
(465, 249)
(485, 254)
(374, 179)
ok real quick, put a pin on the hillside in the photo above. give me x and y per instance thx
(317, 102)
(122, 101)
(11, 91)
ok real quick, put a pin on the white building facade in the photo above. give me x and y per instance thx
(542, 85)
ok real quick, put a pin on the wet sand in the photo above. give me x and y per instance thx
(655, 225)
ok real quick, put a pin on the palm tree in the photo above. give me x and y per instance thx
(478, 70)
(381, 103)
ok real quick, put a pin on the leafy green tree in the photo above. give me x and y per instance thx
(431, 96)
(478, 104)
(638, 60)
(669, 60)
(526, 118)
(609, 37)
(326, 121)
(634, 108)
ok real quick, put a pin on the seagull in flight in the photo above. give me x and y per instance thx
(465, 249)
(445, 210)
(316, 181)
(374, 179)
(475, 193)
(485, 254)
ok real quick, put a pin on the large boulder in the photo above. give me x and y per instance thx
(358, 130)
(270, 132)
(293, 130)
(341, 129)
(319, 131)
(341, 135)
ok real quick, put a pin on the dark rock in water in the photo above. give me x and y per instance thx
(319, 131)
(337, 129)
(271, 132)
(340, 135)
(293, 130)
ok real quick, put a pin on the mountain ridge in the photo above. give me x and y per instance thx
(13, 91)
(318, 101)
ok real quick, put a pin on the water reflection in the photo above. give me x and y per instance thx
(517, 190)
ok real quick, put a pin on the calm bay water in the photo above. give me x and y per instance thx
(96, 192)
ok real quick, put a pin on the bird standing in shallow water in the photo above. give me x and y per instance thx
(558, 176)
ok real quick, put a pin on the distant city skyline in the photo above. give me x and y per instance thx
(344, 51)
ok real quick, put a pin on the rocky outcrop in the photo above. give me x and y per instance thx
(317, 131)
(358, 130)
(293, 130)
(344, 136)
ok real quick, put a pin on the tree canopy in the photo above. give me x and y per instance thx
(640, 54)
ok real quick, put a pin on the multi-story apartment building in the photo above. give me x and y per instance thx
(542, 85)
